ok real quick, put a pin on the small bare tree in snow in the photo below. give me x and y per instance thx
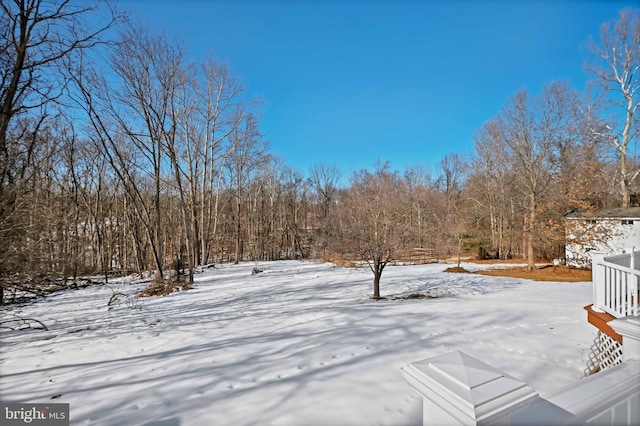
(370, 221)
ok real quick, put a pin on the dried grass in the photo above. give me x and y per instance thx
(164, 287)
(340, 260)
(457, 269)
(543, 273)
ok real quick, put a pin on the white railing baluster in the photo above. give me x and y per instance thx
(607, 283)
(618, 284)
(633, 288)
(628, 306)
(615, 283)
(610, 290)
(631, 305)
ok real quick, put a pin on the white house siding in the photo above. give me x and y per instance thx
(609, 232)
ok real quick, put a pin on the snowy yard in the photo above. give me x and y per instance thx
(299, 344)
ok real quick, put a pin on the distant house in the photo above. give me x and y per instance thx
(610, 231)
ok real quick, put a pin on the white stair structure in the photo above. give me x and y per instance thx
(458, 389)
(616, 281)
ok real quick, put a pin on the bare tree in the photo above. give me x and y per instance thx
(216, 111)
(205, 118)
(130, 117)
(248, 153)
(617, 79)
(533, 128)
(453, 221)
(422, 193)
(370, 219)
(295, 203)
(325, 180)
(204, 114)
(36, 37)
(490, 186)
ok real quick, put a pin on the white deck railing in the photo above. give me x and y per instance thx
(459, 390)
(616, 280)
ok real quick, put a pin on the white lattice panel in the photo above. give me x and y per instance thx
(605, 353)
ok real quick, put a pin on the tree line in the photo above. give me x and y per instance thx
(118, 155)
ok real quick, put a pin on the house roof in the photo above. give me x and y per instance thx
(628, 213)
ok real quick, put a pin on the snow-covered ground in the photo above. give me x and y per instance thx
(299, 344)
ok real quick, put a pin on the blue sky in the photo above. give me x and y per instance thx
(350, 82)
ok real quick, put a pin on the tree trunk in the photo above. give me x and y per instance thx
(376, 284)
(378, 267)
(531, 261)
(624, 183)
(238, 233)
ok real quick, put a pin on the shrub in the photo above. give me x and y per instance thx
(162, 287)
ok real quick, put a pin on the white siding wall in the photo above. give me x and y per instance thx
(607, 235)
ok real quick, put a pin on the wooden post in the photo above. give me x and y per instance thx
(458, 389)
(598, 279)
